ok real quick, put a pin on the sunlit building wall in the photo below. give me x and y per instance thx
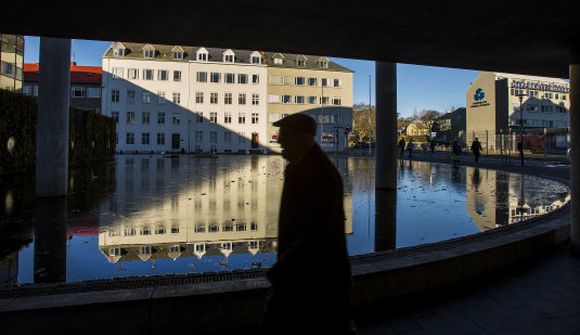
(313, 85)
(11, 62)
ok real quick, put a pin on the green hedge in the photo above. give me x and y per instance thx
(18, 120)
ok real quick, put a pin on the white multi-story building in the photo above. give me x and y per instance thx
(195, 99)
(177, 98)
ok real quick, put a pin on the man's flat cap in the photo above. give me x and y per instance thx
(298, 121)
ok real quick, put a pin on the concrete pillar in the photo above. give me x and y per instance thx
(50, 240)
(52, 117)
(386, 135)
(575, 154)
(385, 219)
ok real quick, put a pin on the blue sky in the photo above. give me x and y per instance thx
(419, 87)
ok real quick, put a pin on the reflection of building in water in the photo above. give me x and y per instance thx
(497, 198)
(170, 208)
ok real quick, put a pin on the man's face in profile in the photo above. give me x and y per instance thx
(289, 143)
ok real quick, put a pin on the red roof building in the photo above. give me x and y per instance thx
(85, 84)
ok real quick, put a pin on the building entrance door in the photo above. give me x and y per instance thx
(255, 140)
(175, 141)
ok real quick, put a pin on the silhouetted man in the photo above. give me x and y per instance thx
(402, 148)
(476, 149)
(311, 281)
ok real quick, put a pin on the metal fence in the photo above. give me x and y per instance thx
(549, 141)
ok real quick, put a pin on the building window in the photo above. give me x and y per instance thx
(312, 81)
(130, 139)
(256, 60)
(115, 116)
(133, 74)
(161, 118)
(146, 118)
(119, 52)
(115, 96)
(229, 58)
(130, 117)
(255, 79)
(299, 99)
(215, 77)
(312, 100)
(160, 138)
(228, 118)
(299, 81)
(227, 98)
(199, 117)
(255, 118)
(118, 72)
(78, 92)
(213, 117)
(213, 98)
(323, 64)
(162, 75)
(198, 97)
(147, 97)
(255, 99)
(130, 97)
(278, 61)
(199, 137)
(149, 53)
(176, 98)
(336, 101)
(175, 118)
(177, 55)
(324, 100)
(324, 82)
(202, 56)
(229, 78)
(286, 99)
(201, 77)
(336, 83)
(242, 78)
(176, 75)
(93, 92)
(147, 74)
(161, 98)
(145, 138)
(242, 118)
(242, 99)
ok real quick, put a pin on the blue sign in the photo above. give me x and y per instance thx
(479, 94)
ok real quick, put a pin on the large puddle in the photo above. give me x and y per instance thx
(146, 215)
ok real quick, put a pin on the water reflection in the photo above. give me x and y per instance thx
(154, 215)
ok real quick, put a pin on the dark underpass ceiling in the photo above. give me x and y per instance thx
(532, 37)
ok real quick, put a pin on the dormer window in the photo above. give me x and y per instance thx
(256, 58)
(149, 51)
(323, 63)
(278, 59)
(119, 52)
(202, 55)
(301, 61)
(229, 56)
(177, 53)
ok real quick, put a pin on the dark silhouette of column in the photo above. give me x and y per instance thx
(575, 154)
(52, 117)
(386, 123)
(50, 240)
(385, 219)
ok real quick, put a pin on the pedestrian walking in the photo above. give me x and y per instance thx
(410, 146)
(309, 294)
(476, 149)
(402, 148)
(456, 152)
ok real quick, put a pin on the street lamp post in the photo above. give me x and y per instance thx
(521, 97)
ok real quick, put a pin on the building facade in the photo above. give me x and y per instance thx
(85, 85)
(11, 62)
(494, 108)
(193, 99)
(315, 86)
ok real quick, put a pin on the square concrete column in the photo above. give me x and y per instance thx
(52, 117)
(386, 136)
(575, 154)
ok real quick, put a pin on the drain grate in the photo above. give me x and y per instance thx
(129, 283)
